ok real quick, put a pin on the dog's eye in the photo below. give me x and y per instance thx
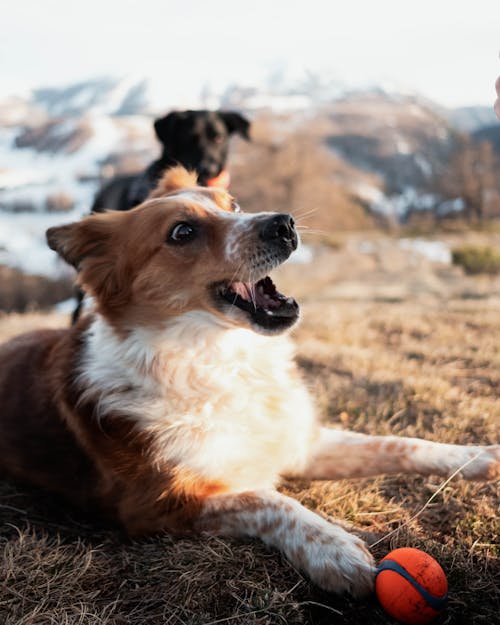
(235, 207)
(181, 233)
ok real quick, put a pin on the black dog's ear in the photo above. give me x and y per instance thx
(164, 126)
(236, 123)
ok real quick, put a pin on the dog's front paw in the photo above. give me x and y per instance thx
(336, 561)
(483, 463)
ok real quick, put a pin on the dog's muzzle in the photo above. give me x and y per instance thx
(279, 230)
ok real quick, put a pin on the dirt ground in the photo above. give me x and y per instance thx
(390, 342)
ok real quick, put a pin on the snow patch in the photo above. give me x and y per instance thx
(368, 193)
(23, 244)
(435, 251)
(400, 206)
(402, 146)
(65, 307)
(424, 165)
(456, 205)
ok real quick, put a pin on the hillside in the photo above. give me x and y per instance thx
(351, 160)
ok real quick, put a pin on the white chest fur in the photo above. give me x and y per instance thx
(220, 401)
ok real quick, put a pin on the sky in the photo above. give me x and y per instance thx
(447, 50)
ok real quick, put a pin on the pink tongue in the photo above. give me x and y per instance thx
(245, 291)
(242, 289)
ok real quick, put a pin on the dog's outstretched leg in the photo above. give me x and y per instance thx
(338, 454)
(332, 557)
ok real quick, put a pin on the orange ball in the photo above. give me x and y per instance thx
(411, 586)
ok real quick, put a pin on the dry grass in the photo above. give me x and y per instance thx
(427, 364)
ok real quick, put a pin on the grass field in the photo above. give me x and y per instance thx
(389, 343)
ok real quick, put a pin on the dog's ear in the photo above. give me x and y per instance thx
(76, 241)
(236, 123)
(89, 246)
(174, 179)
(164, 126)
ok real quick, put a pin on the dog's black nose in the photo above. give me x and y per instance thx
(209, 169)
(279, 228)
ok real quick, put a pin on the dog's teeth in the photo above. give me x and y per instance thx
(290, 301)
(269, 312)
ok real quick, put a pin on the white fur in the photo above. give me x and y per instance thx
(226, 404)
(337, 454)
(335, 559)
(198, 198)
(241, 222)
(221, 401)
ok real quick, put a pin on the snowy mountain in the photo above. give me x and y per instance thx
(107, 96)
(58, 140)
(472, 118)
(57, 145)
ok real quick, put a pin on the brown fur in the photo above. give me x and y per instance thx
(48, 436)
(129, 281)
(48, 439)
(176, 447)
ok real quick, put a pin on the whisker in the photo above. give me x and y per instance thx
(252, 291)
(233, 303)
(311, 231)
(237, 271)
(301, 215)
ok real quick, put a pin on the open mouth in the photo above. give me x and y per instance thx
(262, 302)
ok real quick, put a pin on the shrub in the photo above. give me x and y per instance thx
(477, 259)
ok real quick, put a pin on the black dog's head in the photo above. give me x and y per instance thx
(199, 140)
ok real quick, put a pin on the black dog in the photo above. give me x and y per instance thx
(199, 140)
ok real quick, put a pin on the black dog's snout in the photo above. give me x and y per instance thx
(279, 228)
(209, 169)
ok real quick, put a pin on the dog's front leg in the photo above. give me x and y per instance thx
(333, 558)
(338, 454)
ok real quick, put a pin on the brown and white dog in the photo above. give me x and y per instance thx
(176, 405)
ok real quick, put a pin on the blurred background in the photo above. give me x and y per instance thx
(372, 122)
